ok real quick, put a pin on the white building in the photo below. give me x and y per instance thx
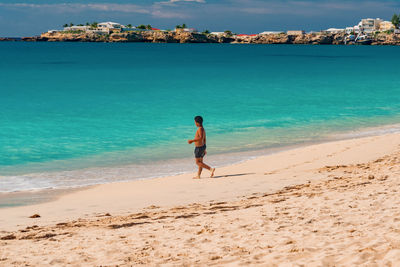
(77, 28)
(271, 32)
(369, 25)
(334, 30)
(109, 26)
(351, 30)
(185, 30)
(217, 33)
(295, 32)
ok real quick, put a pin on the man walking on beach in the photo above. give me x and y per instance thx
(200, 149)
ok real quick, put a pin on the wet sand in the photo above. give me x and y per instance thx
(331, 204)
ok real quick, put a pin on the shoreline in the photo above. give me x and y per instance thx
(129, 196)
(333, 204)
(43, 195)
(188, 37)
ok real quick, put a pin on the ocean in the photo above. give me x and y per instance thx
(77, 114)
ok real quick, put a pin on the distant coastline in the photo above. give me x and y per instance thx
(10, 39)
(192, 37)
(367, 32)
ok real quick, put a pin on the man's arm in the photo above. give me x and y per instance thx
(199, 133)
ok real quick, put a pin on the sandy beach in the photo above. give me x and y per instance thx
(330, 204)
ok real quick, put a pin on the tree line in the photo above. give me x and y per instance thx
(396, 20)
(93, 25)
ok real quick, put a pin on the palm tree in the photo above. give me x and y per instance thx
(71, 24)
(87, 24)
(94, 25)
(148, 27)
(65, 25)
(206, 32)
(395, 20)
(228, 33)
(129, 26)
(183, 26)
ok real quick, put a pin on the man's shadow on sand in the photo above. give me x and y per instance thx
(233, 175)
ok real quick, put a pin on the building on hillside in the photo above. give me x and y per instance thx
(52, 31)
(352, 30)
(270, 32)
(397, 31)
(369, 25)
(191, 30)
(334, 30)
(295, 32)
(109, 27)
(77, 28)
(386, 26)
(217, 33)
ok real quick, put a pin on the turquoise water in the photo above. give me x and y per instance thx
(83, 113)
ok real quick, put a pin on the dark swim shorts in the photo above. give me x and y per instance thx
(199, 152)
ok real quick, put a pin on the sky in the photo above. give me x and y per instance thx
(32, 17)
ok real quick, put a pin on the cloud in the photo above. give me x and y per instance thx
(304, 7)
(171, 2)
(77, 7)
(168, 14)
(30, 16)
(154, 11)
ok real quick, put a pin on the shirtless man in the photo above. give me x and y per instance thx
(200, 150)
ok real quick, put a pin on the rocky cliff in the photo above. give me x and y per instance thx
(185, 37)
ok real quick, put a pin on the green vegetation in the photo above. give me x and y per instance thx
(206, 32)
(129, 26)
(183, 26)
(93, 25)
(228, 33)
(396, 20)
(144, 27)
(388, 31)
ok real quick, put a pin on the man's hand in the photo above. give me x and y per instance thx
(190, 141)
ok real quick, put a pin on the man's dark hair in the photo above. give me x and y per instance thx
(199, 120)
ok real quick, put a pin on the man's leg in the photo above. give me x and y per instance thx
(201, 164)
(199, 171)
(198, 163)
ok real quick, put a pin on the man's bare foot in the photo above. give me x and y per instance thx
(212, 172)
(196, 177)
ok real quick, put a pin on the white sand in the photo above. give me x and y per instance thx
(284, 208)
